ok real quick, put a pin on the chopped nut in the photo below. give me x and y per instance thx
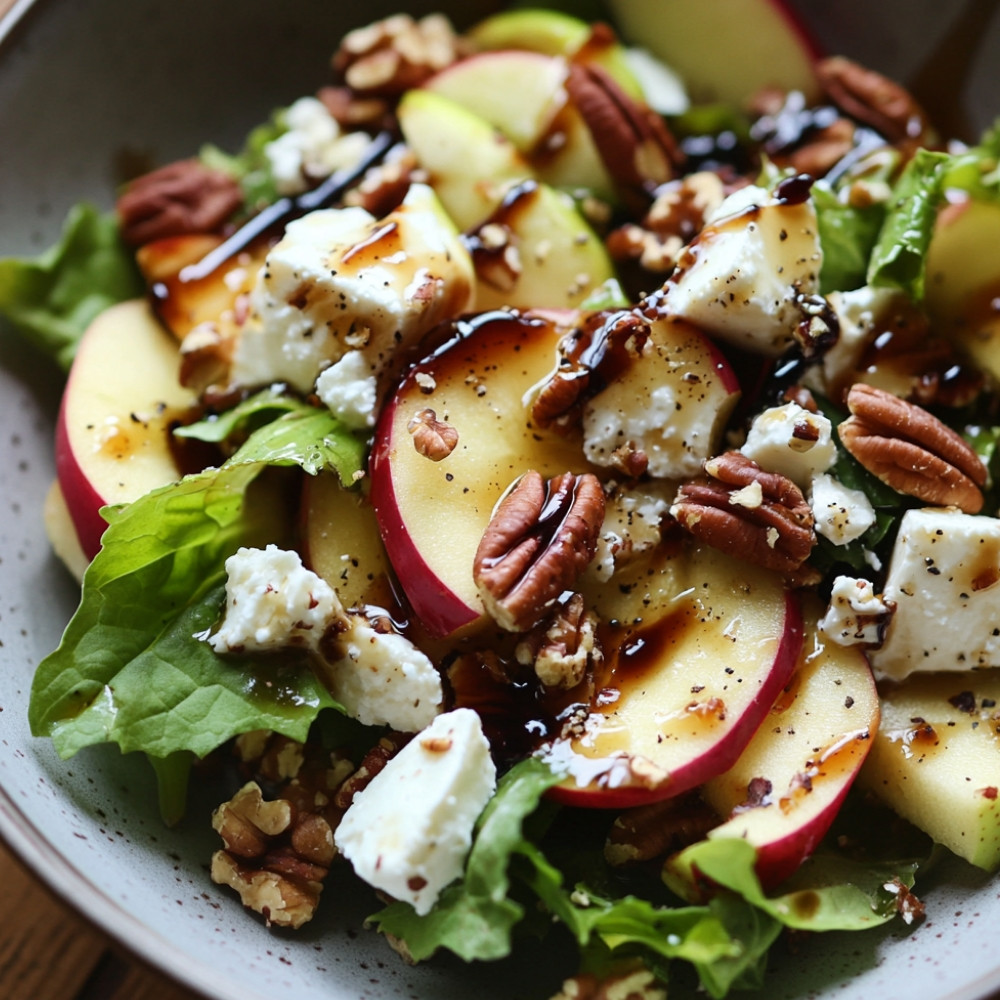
(563, 648)
(395, 54)
(373, 762)
(541, 537)
(706, 507)
(432, 438)
(177, 200)
(632, 981)
(911, 450)
(647, 832)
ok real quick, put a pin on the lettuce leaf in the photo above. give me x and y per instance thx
(132, 667)
(51, 299)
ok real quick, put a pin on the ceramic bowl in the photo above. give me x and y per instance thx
(83, 86)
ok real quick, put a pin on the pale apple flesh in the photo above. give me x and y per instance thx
(785, 789)
(113, 430)
(753, 45)
(686, 690)
(935, 760)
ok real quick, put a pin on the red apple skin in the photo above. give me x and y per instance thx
(112, 433)
(831, 703)
(713, 760)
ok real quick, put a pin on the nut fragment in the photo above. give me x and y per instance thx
(539, 540)
(274, 856)
(176, 200)
(647, 832)
(564, 647)
(911, 450)
(433, 438)
(750, 513)
(630, 981)
(633, 141)
(395, 54)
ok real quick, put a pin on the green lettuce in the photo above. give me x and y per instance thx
(132, 667)
(51, 299)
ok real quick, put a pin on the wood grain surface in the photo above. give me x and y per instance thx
(49, 952)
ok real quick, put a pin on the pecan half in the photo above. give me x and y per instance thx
(634, 143)
(176, 200)
(539, 540)
(433, 438)
(647, 832)
(911, 450)
(874, 100)
(751, 514)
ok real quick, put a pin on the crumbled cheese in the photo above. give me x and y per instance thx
(856, 615)
(312, 147)
(342, 280)
(409, 831)
(632, 518)
(381, 678)
(273, 602)
(841, 514)
(350, 391)
(742, 277)
(791, 441)
(944, 579)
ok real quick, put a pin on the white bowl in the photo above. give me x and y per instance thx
(82, 85)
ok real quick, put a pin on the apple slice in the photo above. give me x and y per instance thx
(113, 430)
(963, 279)
(686, 690)
(468, 161)
(216, 298)
(724, 55)
(555, 33)
(341, 542)
(784, 791)
(935, 760)
(432, 515)
(537, 250)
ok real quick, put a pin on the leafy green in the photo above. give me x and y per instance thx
(51, 299)
(847, 234)
(897, 260)
(132, 667)
(265, 404)
(250, 166)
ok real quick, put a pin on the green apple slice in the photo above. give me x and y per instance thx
(936, 760)
(468, 161)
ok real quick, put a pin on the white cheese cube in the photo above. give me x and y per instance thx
(273, 602)
(409, 831)
(944, 579)
(313, 147)
(632, 526)
(741, 277)
(349, 390)
(791, 441)
(381, 678)
(841, 514)
(342, 280)
(856, 615)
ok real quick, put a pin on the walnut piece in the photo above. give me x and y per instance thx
(564, 647)
(273, 855)
(176, 200)
(395, 54)
(539, 540)
(750, 513)
(433, 438)
(911, 450)
(630, 981)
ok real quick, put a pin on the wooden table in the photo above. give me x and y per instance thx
(49, 952)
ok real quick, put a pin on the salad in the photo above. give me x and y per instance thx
(573, 512)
